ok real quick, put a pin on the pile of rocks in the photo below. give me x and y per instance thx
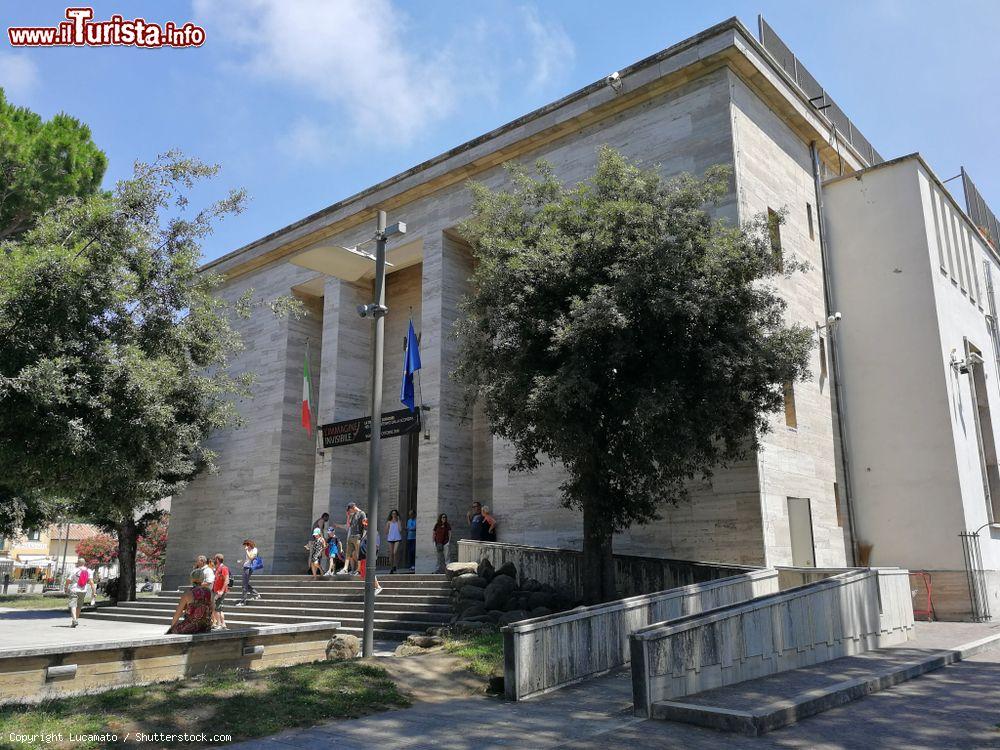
(481, 594)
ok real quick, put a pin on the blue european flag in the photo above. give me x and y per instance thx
(411, 363)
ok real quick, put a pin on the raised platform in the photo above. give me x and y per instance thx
(408, 604)
(758, 706)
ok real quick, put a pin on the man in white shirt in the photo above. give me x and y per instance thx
(77, 584)
(208, 570)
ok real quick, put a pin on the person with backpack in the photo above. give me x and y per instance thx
(251, 562)
(333, 550)
(77, 584)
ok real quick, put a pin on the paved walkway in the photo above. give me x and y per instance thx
(955, 707)
(21, 628)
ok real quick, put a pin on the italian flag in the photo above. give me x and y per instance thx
(307, 413)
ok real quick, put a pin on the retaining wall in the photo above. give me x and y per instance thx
(837, 616)
(563, 568)
(547, 653)
(33, 674)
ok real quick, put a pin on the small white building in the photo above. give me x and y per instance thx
(914, 280)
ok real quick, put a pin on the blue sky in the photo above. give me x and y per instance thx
(304, 102)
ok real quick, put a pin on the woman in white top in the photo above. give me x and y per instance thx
(248, 590)
(394, 536)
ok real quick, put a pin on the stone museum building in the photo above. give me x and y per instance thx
(723, 96)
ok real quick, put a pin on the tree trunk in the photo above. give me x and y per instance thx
(598, 560)
(127, 542)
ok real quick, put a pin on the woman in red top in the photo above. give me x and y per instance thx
(442, 538)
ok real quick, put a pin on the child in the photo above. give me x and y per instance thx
(334, 551)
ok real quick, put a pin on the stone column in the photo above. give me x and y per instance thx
(445, 475)
(342, 473)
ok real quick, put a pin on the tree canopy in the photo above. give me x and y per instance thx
(617, 329)
(115, 364)
(40, 162)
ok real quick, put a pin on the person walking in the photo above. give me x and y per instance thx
(442, 539)
(393, 535)
(411, 540)
(195, 606)
(317, 548)
(356, 526)
(81, 579)
(362, 560)
(333, 551)
(251, 563)
(219, 590)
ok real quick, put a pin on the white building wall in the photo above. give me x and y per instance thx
(908, 273)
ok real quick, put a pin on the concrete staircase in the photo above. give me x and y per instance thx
(408, 604)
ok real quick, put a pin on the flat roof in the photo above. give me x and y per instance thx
(696, 55)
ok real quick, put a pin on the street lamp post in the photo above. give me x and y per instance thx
(377, 310)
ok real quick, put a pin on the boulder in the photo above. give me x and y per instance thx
(508, 617)
(455, 569)
(425, 641)
(478, 581)
(463, 580)
(531, 584)
(498, 591)
(479, 618)
(512, 604)
(408, 649)
(540, 599)
(472, 611)
(460, 604)
(507, 569)
(472, 592)
(540, 612)
(343, 647)
(485, 569)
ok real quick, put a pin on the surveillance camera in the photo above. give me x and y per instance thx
(363, 311)
(614, 81)
(974, 359)
(834, 319)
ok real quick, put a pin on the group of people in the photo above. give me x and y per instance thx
(202, 607)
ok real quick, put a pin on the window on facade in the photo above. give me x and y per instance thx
(34, 535)
(790, 416)
(984, 434)
(774, 232)
(809, 218)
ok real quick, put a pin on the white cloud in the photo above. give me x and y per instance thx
(374, 80)
(18, 74)
(552, 51)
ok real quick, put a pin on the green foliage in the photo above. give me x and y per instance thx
(116, 356)
(239, 703)
(615, 328)
(41, 162)
(482, 651)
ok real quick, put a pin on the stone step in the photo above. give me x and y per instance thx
(437, 604)
(263, 608)
(383, 577)
(341, 585)
(390, 631)
(429, 600)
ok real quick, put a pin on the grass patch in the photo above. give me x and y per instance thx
(239, 703)
(483, 652)
(53, 601)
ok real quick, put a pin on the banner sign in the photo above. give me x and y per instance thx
(351, 431)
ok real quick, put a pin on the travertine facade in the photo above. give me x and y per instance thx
(717, 98)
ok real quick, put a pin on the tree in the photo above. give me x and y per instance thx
(152, 545)
(115, 364)
(101, 548)
(41, 162)
(618, 330)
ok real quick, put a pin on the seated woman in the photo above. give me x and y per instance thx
(196, 606)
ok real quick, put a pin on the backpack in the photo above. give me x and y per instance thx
(83, 578)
